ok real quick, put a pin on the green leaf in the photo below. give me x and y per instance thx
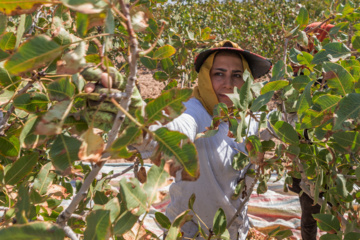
(64, 151)
(32, 230)
(293, 55)
(109, 22)
(262, 187)
(164, 52)
(302, 39)
(44, 179)
(127, 137)
(148, 63)
(3, 55)
(31, 102)
(312, 118)
(85, 6)
(100, 198)
(82, 23)
(235, 97)
(8, 41)
(162, 220)
(349, 107)
(357, 172)
(186, 155)
(305, 59)
(348, 140)
(303, 17)
(192, 201)
(168, 65)
(3, 23)
(23, 205)
(242, 97)
(28, 138)
(156, 178)
(274, 86)
(113, 206)
(355, 40)
(160, 76)
(267, 145)
(133, 195)
(283, 234)
(61, 90)
(5, 96)
(343, 83)
(170, 102)
(240, 161)
(124, 223)
(327, 222)
(261, 101)
(20, 30)
(278, 71)
(352, 236)
(6, 79)
(256, 147)
(179, 221)
(21, 168)
(35, 53)
(286, 132)
(51, 122)
(329, 236)
(341, 186)
(98, 225)
(300, 82)
(9, 146)
(305, 100)
(219, 223)
(273, 232)
(205, 33)
(332, 51)
(239, 189)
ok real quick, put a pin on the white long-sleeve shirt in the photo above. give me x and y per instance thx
(217, 181)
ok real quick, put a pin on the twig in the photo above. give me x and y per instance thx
(125, 102)
(113, 7)
(134, 3)
(246, 199)
(136, 168)
(120, 173)
(285, 53)
(143, 53)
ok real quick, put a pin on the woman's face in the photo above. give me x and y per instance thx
(225, 74)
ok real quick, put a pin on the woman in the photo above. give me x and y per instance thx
(220, 70)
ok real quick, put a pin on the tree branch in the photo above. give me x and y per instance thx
(242, 204)
(304, 186)
(125, 102)
(120, 173)
(70, 233)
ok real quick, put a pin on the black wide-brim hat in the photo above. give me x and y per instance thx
(259, 65)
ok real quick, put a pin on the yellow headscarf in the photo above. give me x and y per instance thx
(204, 92)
